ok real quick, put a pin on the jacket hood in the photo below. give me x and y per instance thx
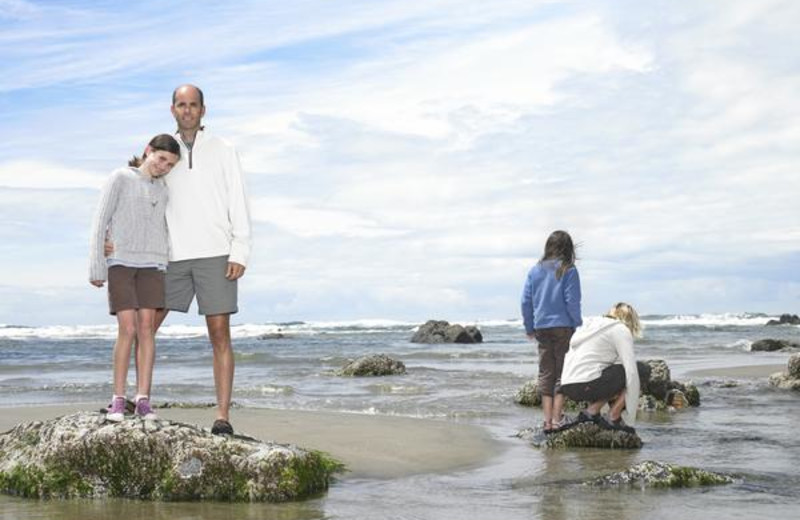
(590, 328)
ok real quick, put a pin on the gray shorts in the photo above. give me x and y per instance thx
(204, 277)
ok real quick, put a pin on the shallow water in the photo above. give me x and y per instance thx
(743, 427)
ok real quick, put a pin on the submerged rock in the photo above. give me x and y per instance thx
(376, 365)
(786, 319)
(83, 455)
(584, 435)
(771, 345)
(660, 475)
(273, 335)
(437, 331)
(789, 380)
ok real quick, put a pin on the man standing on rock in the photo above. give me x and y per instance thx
(209, 236)
(209, 228)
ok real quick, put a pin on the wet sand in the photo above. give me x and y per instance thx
(747, 371)
(370, 446)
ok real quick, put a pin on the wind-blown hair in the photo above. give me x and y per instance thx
(559, 246)
(627, 314)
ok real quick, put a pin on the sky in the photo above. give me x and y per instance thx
(407, 160)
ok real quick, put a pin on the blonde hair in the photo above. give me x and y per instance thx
(627, 315)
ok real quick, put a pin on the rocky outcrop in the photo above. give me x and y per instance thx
(789, 380)
(83, 455)
(653, 474)
(786, 319)
(436, 331)
(376, 365)
(771, 345)
(584, 435)
(660, 392)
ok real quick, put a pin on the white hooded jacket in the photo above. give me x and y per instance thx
(598, 344)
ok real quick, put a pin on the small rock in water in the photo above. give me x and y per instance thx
(439, 331)
(529, 395)
(789, 380)
(771, 345)
(376, 365)
(660, 475)
(786, 319)
(83, 455)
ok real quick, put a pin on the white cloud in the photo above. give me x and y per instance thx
(406, 157)
(45, 175)
(309, 221)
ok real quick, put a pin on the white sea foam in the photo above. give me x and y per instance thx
(364, 326)
(708, 320)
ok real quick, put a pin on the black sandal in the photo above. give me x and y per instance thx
(621, 426)
(222, 427)
(585, 417)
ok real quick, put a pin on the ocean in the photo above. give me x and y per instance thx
(743, 426)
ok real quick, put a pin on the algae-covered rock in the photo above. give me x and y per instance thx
(660, 475)
(529, 395)
(439, 331)
(376, 365)
(659, 392)
(584, 435)
(83, 455)
(789, 380)
(658, 384)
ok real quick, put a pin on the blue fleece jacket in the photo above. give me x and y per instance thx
(548, 302)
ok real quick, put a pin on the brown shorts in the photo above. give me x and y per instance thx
(610, 383)
(135, 288)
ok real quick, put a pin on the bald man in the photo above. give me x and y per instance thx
(210, 239)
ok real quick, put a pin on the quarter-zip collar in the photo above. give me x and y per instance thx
(198, 136)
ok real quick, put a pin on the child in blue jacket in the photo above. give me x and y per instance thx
(551, 311)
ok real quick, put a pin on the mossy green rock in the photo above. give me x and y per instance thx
(83, 455)
(653, 474)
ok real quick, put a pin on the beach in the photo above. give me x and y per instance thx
(438, 442)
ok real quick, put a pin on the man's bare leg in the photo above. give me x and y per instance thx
(219, 332)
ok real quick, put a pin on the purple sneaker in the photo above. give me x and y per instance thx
(117, 411)
(144, 410)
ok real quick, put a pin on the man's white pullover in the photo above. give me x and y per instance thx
(208, 213)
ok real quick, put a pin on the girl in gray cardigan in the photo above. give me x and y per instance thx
(131, 215)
